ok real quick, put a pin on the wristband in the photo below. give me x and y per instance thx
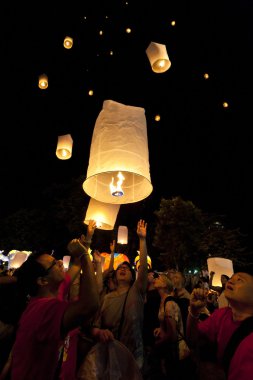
(192, 315)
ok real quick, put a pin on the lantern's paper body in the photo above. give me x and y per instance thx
(119, 144)
(220, 266)
(122, 235)
(18, 259)
(43, 82)
(158, 57)
(66, 260)
(64, 147)
(137, 262)
(104, 214)
(119, 258)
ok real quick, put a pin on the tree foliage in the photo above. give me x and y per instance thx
(186, 236)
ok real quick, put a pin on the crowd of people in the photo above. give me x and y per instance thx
(87, 323)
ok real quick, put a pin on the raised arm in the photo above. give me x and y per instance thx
(197, 302)
(75, 265)
(98, 267)
(82, 310)
(112, 250)
(143, 268)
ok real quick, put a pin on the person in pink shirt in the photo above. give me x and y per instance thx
(219, 327)
(48, 318)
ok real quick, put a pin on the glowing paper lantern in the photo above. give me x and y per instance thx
(43, 82)
(119, 258)
(68, 42)
(122, 235)
(118, 171)
(220, 266)
(158, 57)
(137, 262)
(18, 259)
(104, 214)
(66, 260)
(64, 147)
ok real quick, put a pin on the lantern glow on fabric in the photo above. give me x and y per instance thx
(64, 147)
(158, 57)
(219, 266)
(118, 170)
(104, 214)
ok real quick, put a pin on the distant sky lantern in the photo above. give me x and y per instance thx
(90, 92)
(104, 214)
(157, 117)
(206, 76)
(68, 42)
(122, 235)
(43, 82)
(119, 149)
(220, 266)
(158, 57)
(66, 261)
(64, 147)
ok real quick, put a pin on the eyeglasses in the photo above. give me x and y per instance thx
(123, 267)
(51, 266)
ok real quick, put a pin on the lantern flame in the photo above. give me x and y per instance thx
(117, 191)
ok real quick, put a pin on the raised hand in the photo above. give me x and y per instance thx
(198, 299)
(76, 248)
(142, 229)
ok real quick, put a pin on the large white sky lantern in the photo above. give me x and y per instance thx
(118, 170)
(220, 266)
(64, 147)
(105, 214)
(158, 57)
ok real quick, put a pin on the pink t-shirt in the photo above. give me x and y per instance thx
(38, 341)
(69, 358)
(219, 327)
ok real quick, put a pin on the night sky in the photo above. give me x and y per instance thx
(198, 150)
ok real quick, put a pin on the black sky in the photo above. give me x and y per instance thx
(198, 150)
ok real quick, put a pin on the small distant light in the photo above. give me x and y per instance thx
(90, 92)
(225, 105)
(157, 117)
(173, 23)
(106, 17)
(68, 42)
(101, 32)
(111, 52)
(128, 30)
(43, 82)
(206, 76)
(85, 18)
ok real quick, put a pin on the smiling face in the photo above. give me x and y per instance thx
(239, 289)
